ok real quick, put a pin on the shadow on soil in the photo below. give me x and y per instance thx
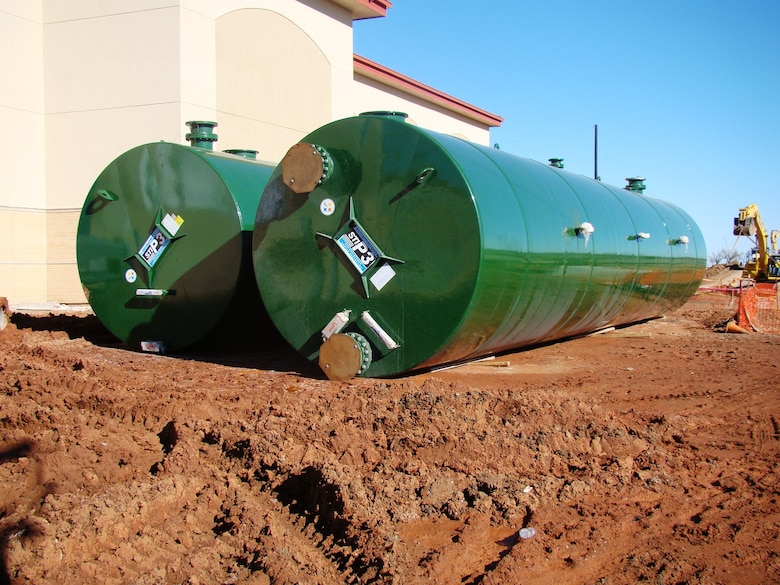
(242, 349)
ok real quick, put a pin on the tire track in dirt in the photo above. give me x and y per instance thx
(649, 458)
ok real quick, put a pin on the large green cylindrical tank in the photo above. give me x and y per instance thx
(163, 244)
(380, 248)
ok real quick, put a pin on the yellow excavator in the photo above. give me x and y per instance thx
(760, 264)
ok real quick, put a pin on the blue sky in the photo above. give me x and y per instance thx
(686, 93)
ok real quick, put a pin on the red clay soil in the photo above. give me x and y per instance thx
(647, 454)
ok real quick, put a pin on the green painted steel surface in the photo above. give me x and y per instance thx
(163, 242)
(483, 251)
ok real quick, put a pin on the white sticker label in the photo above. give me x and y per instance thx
(153, 346)
(327, 206)
(153, 247)
(382, 276)
(336, 324)
(358, 249)
(150, 292)
(130, 275)
(172, 223)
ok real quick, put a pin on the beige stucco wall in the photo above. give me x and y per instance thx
(22, 166)
(272, 88)
(90, 79)
(118, 79)
(22, 253)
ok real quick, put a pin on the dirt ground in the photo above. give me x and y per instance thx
(646, 454)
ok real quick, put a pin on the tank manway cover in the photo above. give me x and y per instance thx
(302, 168)
(342, 357)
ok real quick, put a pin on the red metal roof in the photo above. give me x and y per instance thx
(365, 8)
(387, 76)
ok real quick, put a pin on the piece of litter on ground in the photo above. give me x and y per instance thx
(630, 334)
(601, 331)
(504, 364)
(526, 533)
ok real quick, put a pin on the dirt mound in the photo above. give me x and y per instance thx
(648, 454)
(722, 276)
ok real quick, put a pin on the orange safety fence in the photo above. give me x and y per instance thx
(759, 308)
(753, 306)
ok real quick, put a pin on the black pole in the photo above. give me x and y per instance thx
(596, 152)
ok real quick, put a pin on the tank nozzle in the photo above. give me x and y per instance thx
(201, 134)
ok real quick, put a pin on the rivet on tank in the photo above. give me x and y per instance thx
(164, 241)
(382, 248)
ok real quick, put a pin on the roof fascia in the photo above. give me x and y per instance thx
(387, 76)
(362, 9)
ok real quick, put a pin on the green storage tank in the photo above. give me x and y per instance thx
(381, 248)
(163, 243)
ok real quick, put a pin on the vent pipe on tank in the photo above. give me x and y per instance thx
(556, 162)
(636, 184)
(201, 134)
(386, 114)
(244, 152)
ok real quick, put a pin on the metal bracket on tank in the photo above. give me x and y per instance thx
(584, 230)
(681, 241)
(107, 195)
(383, 340)
(164, 233)
(104, 197)
(336, 324)
(153, 292)
(377, 330)
(362, 253)
(422, 177)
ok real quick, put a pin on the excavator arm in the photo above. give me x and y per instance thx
(749, 223)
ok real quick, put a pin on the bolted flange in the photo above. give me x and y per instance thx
(201, 134)
(344, 356)
(305, 166)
